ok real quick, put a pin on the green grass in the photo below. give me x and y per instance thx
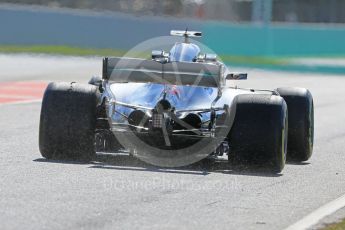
(78, 51)
(60, 50)
(253, 60)
(337, 226)
(272, 63)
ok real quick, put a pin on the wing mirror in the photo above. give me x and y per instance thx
(237, 76)
(211, 57)
(207, 58)
(157, 54)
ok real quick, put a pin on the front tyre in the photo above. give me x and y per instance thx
(67, 122)
(259, 133)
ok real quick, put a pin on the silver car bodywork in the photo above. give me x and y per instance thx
(186, 88)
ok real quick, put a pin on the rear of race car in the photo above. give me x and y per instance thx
(167, 105)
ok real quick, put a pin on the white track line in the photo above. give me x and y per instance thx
(21, 102)
(320, 213)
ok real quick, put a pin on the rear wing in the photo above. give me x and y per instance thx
(121, 70)
(186, 33)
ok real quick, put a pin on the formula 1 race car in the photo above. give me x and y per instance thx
(174, 109)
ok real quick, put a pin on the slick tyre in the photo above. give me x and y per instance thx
(67, 122)
(259, 132)
(301, 122)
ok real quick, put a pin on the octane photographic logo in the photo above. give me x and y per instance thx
(159, 113)
(166, 183)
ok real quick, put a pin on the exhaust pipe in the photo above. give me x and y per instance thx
(138, 118)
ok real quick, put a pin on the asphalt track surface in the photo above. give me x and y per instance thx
(118, 192)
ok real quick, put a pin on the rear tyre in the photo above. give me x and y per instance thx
(259, 133)
(68, 120)
(301, 122)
